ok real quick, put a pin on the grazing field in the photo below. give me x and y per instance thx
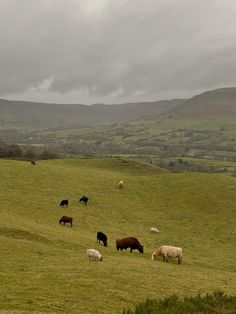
(44, 267)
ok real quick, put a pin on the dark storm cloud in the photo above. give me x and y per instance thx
(83, 51)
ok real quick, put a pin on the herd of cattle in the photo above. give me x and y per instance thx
(132, 243)
(83, 199)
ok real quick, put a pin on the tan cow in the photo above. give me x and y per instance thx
(120, 185)
(168, 251)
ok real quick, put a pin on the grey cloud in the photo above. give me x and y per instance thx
(116, 48)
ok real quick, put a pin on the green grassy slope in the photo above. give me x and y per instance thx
(44, 267)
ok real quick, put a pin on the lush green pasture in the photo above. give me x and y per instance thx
(163, 128)
(44, 267)
(166, 136)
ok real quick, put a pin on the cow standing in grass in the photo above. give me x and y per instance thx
(129, 242)
(84, 200)
(66, 219)
(94, 255)
(120, 185)
(102, 237)
(168, 251)
(64, 203)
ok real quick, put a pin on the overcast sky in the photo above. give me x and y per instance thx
(113, 51)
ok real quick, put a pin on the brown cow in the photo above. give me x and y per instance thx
(130, 242)
(33, 162)
(66, 219)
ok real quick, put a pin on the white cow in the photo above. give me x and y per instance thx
(168, 251)
(94, 254)
(153, 229)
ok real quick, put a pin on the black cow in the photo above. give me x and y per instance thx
(66, 219)
(84, 200)
(64, 203)
(102, 237)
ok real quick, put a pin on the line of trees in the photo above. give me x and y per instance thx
(59, 150)
(25, 152)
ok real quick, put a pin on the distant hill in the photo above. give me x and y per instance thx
(22, 115)
(31, 115)
(218, 102)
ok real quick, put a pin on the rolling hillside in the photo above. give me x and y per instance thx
(29, 116)
(44, 268)
(215, 103)
(26, 116)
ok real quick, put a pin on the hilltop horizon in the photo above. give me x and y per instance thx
(97, 103)
(29, 115)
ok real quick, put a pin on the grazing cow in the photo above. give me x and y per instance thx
(33, 162)
(102, 237)
(168, 251)
(155, 230)
(66, 219)
(84, 200)
(130, 242)
(120, 185)
(94, 255)
(64, 203)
